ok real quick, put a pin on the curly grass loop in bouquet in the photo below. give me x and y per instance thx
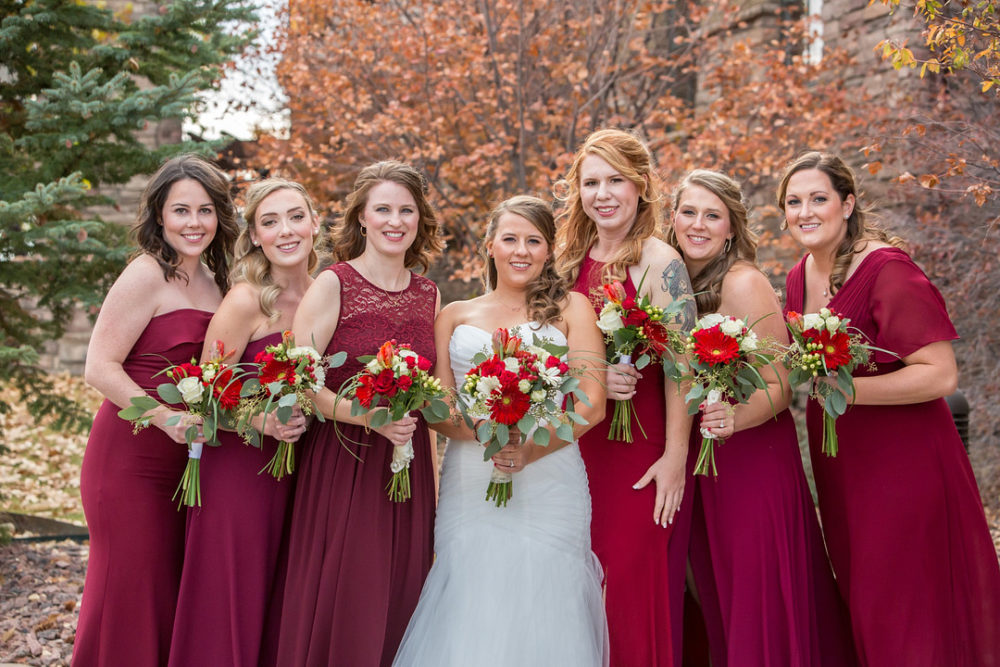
(210, 390)
(286, 375)
(401, 378)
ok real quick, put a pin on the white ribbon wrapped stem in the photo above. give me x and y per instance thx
(401, 456)
(714, 396)
(195, 451)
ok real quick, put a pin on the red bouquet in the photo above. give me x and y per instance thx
(400, 378)
(518, 385)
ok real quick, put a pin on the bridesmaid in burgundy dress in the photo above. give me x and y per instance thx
(761, 571)
(608, 231)
(357, 561)
(902, 516)
(155, 314)
(231, 558)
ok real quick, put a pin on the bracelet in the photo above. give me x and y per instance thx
(476, 424)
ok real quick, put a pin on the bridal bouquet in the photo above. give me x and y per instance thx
(823, 345)
(725, 355)
(633, 326)
(516, 385)
(401, 378)
(210, 390)
(286, 376)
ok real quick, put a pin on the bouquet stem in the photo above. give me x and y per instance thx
(501, 487)
(283, 461)
(399, 485)
(190, 487)
(829, 434)
(706, 458)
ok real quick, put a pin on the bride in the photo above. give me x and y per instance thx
(514, 585)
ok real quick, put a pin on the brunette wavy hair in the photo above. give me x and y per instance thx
(147, 231)
(251, 264)
(707, 284)
(346, 239)
(548, 293)
(861, 227)
(631, 157)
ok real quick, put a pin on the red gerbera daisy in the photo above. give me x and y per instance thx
(227, 389)
(836, 348)
(275, 370)
(510, 405)
(713, 347)
(365, 392)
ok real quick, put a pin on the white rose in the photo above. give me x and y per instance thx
(610, 320)
(710, 320)
(374, 366)
(825, 313)
(524, 386)
(812, 321)
(208, 373)
(538, 396)
(832, 323)
(749, 342)
(191, 390)
(731, 327)
(512, 364)
(487, 385)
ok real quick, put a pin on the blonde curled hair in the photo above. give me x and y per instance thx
(630, 157)
(251, 265)
(547, 294)
(707, 284)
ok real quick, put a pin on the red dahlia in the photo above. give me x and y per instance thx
(713, 347)
(836, 348)
(510, 405)
(365, 392)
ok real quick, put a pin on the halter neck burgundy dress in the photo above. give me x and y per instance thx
(631, 548)
(901, 512)
(232, 574)
(357, 561)
(136, 532)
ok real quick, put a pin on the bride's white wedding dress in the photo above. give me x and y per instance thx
(515, 585)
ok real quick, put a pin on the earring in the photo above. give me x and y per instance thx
(729, 244)
(256, 243)
(846, 216)
(364, 230)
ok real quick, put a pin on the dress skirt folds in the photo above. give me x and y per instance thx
(901, 512)
(357, 560)
(136, 530)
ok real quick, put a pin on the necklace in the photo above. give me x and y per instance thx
(509, 307)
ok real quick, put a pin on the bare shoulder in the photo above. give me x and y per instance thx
(579, 306)
(243, 299)
(657, 253)
(462, 312)
(139, 286)
(745, 279)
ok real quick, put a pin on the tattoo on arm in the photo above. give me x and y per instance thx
(678, 285)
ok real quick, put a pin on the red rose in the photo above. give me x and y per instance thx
(552, 361)
(563, 368)
(404, 382)
(713, 347)
(423, 363)
(263, 357)
(628, 303)
(184, 370)
(410, 361)
(635, 318)
(384, 383)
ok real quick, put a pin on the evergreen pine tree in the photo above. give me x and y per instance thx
(76, 83)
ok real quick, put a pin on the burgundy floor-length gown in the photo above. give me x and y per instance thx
(136, 531)
(631, 548)
(231, 554)
(901, 512)
(760, 568)
(357, 561)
